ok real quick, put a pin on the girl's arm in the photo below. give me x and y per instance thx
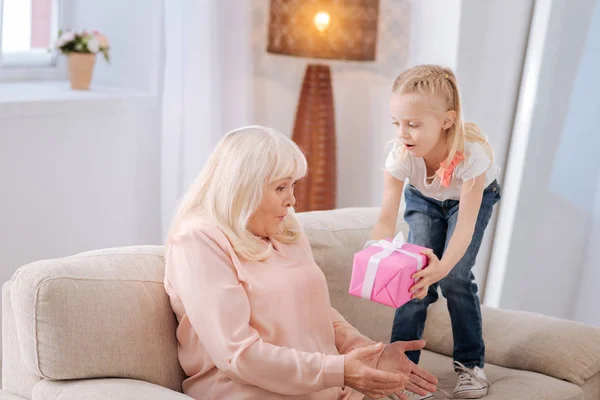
(385, 227)
(470, 203)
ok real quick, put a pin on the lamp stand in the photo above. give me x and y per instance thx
(314, 132)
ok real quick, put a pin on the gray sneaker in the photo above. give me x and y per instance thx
(414, 396)
(472, 383)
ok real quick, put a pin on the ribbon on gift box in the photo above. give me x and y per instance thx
(388, 249)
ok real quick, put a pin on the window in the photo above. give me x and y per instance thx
(28, 29)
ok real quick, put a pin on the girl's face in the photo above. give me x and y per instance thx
(278, 196)
(420, 122)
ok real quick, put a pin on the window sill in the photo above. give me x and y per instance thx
(47, 98)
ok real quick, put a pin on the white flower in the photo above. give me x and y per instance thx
(93, 45)
(79, 47)
(67, 37)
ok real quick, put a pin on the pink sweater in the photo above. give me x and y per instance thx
(255, 330)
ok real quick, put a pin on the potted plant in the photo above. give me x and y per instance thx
(81, 49)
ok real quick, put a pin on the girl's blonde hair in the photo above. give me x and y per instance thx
(438, 81)
(229, 189)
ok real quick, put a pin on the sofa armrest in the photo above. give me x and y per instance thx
(527, 341)
(108, 304)
(101, 389)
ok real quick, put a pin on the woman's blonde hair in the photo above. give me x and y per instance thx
(438, 81)
(229, 189)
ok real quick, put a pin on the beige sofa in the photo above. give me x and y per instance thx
(98, 325)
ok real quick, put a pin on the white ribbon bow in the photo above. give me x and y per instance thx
(373, 265)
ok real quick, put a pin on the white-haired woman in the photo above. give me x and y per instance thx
(253, 308)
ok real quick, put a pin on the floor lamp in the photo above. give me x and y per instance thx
(326, 29)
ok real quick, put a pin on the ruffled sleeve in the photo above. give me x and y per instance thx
(476, 162)
(398, 166)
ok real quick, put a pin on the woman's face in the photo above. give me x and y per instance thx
(278, 196)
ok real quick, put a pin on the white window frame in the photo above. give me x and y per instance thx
(35, 64)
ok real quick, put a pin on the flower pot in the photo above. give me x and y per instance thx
(81, 67)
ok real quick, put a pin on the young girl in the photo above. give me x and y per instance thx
(449, 200)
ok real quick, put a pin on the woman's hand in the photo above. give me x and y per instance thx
(434, 272)
(368, 380)
(394, 359)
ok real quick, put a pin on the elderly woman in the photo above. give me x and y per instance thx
(253, 311)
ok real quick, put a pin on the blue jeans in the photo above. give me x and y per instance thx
(432, 223)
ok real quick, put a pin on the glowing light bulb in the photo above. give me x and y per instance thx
(321, 21)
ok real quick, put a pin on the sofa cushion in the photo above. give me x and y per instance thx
(98, 314)
(101, 389)
(5, 395)
(517, 339)
(334, 237)
(507, 383)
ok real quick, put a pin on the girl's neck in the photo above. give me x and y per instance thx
(437, 155)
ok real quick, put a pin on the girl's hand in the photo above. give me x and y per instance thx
(434, 272)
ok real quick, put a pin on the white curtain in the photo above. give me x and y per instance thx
(206, 87)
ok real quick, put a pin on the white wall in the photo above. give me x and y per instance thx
(77, 182)
(236, 56)
(542, 235)
(582, 126)
(589, 296)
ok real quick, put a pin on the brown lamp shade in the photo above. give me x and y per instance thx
(350, 34)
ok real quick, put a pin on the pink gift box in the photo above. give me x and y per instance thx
(387, 281)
